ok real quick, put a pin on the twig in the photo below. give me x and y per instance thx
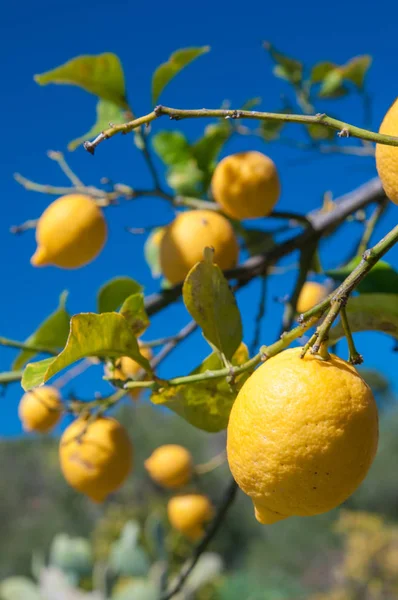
(187, 569)
(59, 190)
(306, 258)
(211, 464)
(344, 129)
(31, 224)
(321, 222)
(260, 314)
(26, 346)
(65, 168)
(10, 377)
(354, 357)
(371, 224)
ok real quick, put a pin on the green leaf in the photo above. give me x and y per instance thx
(355, 70)
(138, 589)
(126, 557)
(52, 333)
(212, 305)
(71, 554)
(114, 292)
(270, 130)
(185, 178)
(382, 278)
(321, 70)
(205, 404)
(251, 103)
(208, 147)
(286, 67)
(19, 588)
(105, 335)
(133, 310)
(207, 569)
(100, 74)
(107, 112)
(152, 250)
(256, 241)
(369, 312)
(320, 132)
(172, 147)
(332, 83)
(168, 70)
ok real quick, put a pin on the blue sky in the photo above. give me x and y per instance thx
(36, 37)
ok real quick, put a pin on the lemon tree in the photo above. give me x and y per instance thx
(301, 423)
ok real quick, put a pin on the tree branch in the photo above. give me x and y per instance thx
(344, 129)
(187, 569)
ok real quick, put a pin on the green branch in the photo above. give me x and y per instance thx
(26, 346)
(344, 129)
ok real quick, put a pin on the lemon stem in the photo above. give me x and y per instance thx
(354, 357)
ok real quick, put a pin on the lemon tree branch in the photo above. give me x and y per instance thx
(344, 129)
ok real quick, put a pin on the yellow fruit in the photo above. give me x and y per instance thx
(189, 513)
(302, 435)
(186, 237)
(128, 368)
(170, 466)
(70, 233)
(387, 156)
(312, 293)
(96, 457)
(246, 185)
(40, 409)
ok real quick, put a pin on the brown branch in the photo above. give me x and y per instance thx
(187, 569)
(320, 224)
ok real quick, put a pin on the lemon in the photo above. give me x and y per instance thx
(311, 294)
(186, 237)
(70, 233)
(246, 185)
(128, 368)
(302, 435)
(40, 409)
(96, 457)
(387, 156)
(170, 466)
(188, 514)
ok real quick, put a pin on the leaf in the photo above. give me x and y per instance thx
(99, 74)
(52, 333)
(184, 178)
(286, 67)
(172, 147)
(320, 132)
(126, 557)
(71, 554)
(107, 112)
(133, 310)
(138, 589)
(369, 312)
(251, 103)
(114, 292)
(19, 588)
(355, 70)
(208, 147)
(205, 404)
(207, 569)
(320, 70)
(270, 130)
(382, 278)
(152, 250)
(168, 70)
(256, 241)
(332, 83)
(105, 335)
(212, 305)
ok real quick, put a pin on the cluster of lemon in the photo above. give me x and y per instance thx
(96, 457)
(302, 432)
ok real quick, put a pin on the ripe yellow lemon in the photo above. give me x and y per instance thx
(184, 240)
(128, 368)
(302, 435)
(188, 514)
(70, 233)
(246, 185)
(40, 409)
(96, 457)
(170, 466)
(311, 294)
(387, 156)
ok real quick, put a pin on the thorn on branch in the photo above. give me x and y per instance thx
(344, 133)
(158, 110)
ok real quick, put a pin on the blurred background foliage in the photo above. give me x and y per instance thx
(348, 554)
